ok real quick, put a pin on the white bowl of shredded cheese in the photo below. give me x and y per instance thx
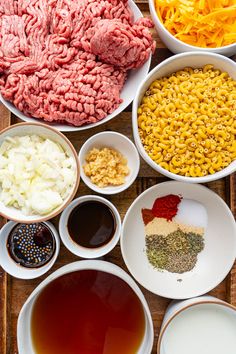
(39, 172)
(178, 46)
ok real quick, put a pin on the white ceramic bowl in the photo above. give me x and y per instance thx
(214, 262)
(16, 270)
(116, 141)
(177, 46)
(83, 251)
(127, 93)
(23, 326)
(168, 66)
(53, 134)
(206, 304)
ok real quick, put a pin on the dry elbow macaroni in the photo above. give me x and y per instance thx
(187, 121)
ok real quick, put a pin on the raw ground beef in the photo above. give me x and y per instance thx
(67, 60)
(120, 44)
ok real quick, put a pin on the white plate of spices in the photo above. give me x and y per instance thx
(178, 240)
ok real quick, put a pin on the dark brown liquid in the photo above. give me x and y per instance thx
(87, 312)
(91, 224)
(31, 245)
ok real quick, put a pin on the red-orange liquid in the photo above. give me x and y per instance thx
(87, 312)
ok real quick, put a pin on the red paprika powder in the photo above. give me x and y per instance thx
(166, 207)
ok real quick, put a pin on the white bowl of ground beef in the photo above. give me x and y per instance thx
(82, 92)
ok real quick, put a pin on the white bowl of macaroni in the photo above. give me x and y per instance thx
(183, 117)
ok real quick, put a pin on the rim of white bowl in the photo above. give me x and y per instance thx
(112, 189)
(145, 156)
(70, 128)
(29, 273)
(178, 41)
(59, 209)
(80, 251)
(163, 294)
(213, 301)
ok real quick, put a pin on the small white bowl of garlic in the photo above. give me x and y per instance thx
(39, 172)
(109, 162)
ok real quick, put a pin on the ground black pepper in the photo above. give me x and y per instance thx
(176, 252)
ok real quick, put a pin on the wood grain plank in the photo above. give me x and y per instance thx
(5, 117)
(5, 121)
(14, 292)
(3, 311)
(233, 194)
(232, 276)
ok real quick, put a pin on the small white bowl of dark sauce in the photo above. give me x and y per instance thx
(90, 226)
(28, 251)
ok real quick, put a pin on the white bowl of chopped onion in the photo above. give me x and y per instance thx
(39, 172)
(195, 61)
(179, 46)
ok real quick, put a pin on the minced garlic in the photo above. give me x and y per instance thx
(106, 167)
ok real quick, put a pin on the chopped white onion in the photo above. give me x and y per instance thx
(36, 174)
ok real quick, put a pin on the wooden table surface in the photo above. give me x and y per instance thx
(14, 292)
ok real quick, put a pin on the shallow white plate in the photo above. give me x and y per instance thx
(214, 262)
(135, 77)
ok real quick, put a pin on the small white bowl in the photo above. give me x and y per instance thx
(207, 305)
(168, 66)
(127, 94)
(56, 136)
(116, 141)
(16, 270)
(24, 340)
(214, 262)
(83, 251)
(177, 46)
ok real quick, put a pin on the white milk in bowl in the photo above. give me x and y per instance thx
(201, 329)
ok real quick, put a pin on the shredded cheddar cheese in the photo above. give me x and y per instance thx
(201, 23)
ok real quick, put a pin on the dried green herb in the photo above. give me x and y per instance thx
(177, 252)
(158, 259)
(196, 242)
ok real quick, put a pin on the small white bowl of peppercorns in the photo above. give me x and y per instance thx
(28, 251)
